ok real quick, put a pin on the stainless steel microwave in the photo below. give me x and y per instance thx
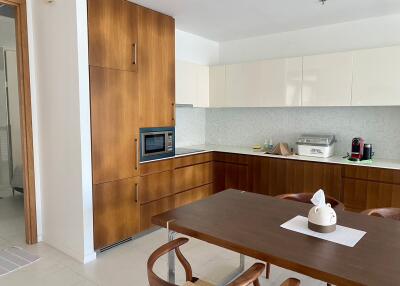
(157, 143)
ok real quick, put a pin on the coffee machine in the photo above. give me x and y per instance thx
(357, 149)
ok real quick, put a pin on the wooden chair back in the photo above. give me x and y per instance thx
(392, 213)
(306, 198)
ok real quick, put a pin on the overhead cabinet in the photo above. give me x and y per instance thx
(376, 77)
(192, 84)
(264, 83)
(113, 34)
(327, 80)
(355, 78)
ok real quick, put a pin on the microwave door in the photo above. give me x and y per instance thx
(154, 143)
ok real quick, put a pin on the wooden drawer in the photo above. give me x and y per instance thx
(155, 186)
(149, 210)
(373, 174)
(193, 176)
(156, 167)
(231, 158)
(361, 194)
(193, 195)
(193, 159)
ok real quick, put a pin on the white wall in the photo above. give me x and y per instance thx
(195, 49)
(191, 122)
(60, 103)
(367, 33)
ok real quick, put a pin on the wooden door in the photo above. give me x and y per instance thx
(114, 115)
(156, 57)
(116, 212)
(113, 34)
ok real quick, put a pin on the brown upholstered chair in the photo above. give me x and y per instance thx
(393, 213)
(248, 277)
(306, 198)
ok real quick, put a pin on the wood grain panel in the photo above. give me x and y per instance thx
(193, 195)
(114, 119)
(230, 175)
(193, 159)
(232, 158)
(373, 174)
(116, 212)
(155, 186)
(193, 176)
(149, 210)
(113, 34)
(156, 167)
(156, 57)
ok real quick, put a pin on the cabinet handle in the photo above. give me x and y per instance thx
(134, 53)
(137, 154)
(136, 192)
(173, 111)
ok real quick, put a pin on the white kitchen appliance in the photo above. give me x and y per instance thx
(322, 146)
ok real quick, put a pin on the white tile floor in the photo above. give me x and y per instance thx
(123, 265)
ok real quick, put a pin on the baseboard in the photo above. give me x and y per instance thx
(89, 257)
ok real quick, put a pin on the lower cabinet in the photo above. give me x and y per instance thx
(115, 212)
(193, 195)
(147, 211)
(231, 171)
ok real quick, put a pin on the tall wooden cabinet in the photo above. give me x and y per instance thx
(132, 85)
(156, 61)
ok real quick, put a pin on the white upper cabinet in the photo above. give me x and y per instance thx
(192, 84)
(376, 79)
(217, 86)
(327, 80)
(264, 84)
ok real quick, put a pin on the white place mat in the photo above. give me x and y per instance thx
(343, 235)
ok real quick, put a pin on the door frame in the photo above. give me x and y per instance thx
(25, 108)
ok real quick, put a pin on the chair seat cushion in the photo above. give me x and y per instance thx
(198, 283)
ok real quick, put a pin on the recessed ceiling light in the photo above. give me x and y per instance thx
(322, 1)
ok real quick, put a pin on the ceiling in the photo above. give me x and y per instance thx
(223, 20)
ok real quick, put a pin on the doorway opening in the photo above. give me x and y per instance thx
(17, 193)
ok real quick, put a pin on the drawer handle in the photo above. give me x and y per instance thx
(134, 53)
(173, 111)
(137, 154)
(136, 192)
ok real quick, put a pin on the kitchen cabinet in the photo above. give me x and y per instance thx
(147, 211)
(217, 86)
(231, 171)
(115, 124)
(366, 188)
(327, 80)
(193, 176)
(156, 58)
(376, 77)
(192, 84)
(116, 211)
(113, 34)
(193, 195)
(264, 83)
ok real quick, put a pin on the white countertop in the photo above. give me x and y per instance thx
(377, 163)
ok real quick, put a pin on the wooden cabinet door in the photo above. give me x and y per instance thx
(230, 176)
(193, 195)
(114, 116)
(115, 212)
(113, 34)
(147, 211)
(156, 57)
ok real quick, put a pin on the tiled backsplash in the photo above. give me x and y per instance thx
(190, 126)
(379, 126)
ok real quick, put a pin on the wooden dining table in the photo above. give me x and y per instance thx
(249, 224)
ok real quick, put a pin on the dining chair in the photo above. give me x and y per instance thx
(248, 277)
(393, 213)
(306, 198)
